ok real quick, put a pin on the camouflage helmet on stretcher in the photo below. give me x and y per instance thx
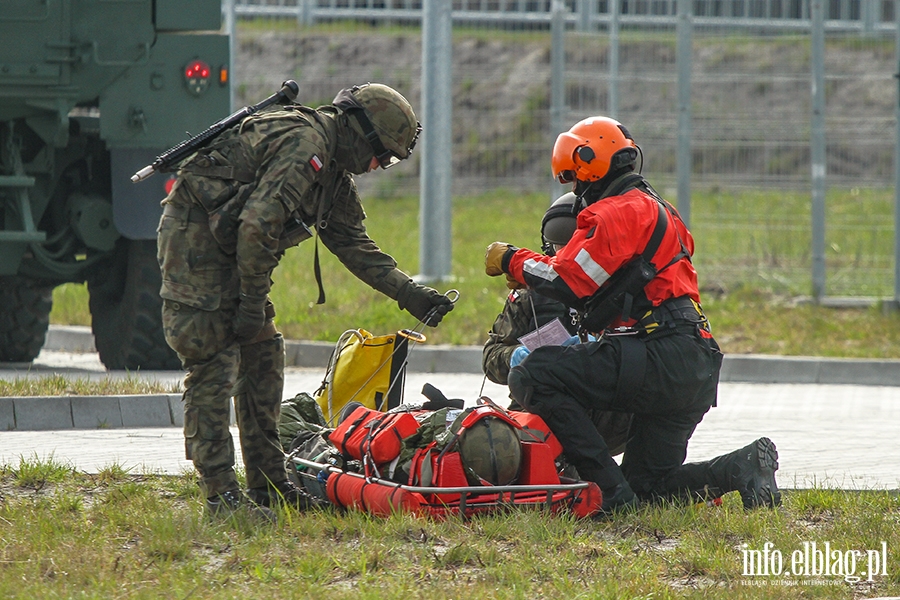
(490, 452)
(384, 118)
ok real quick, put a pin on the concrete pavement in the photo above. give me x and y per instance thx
(828, 435)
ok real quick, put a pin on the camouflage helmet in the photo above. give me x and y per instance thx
(490, 452)
(382, 116)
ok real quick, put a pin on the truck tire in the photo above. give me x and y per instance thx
(26, 305)
(126, 310)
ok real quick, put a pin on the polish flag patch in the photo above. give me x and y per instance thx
(316, 163)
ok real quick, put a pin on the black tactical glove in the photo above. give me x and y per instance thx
(424, 303)
(251, 317)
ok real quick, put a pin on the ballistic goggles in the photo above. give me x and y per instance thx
(347, 102)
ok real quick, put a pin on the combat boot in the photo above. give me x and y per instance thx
(234, 502)
(751, 472)
(618, 497)
(287, 493)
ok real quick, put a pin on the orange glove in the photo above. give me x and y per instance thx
(493, 258)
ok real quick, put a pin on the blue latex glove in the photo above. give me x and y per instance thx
(571, 341)
(577, 340)
(518, 356)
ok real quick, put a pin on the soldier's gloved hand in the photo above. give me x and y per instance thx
(495, 258)
(251, 317)
(424, 303)
(518, 356)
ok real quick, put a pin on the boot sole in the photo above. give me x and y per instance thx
(762, 489)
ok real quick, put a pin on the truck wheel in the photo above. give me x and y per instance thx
(26, 315)
(126, 310)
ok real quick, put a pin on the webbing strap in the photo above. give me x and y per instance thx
(632, 366)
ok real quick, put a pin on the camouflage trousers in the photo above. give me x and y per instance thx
(218, 367)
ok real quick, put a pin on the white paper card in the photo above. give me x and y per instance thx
(550, 334)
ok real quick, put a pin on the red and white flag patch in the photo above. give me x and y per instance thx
(316, 163)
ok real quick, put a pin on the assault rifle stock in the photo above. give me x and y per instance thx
(174, 155)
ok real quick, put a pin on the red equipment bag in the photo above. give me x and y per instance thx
(535, 427)
(372, 434)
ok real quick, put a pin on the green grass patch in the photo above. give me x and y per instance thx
(752, 254)
(146, 536)
(66, 385)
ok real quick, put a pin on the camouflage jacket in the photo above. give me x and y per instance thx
(278, 167)
(517, 319)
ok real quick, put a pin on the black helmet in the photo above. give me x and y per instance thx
(558, 224)
(490, 452)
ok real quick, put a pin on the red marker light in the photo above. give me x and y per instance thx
(170, 183)
(196, 76)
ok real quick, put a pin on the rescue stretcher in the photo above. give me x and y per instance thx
(438, 484)
(434, 481)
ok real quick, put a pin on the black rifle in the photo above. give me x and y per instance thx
(174, 155)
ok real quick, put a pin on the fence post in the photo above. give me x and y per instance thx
(435, 176)
(817, 149)
(585, 15)
(683, 65)
(896, 301)
(305, 12)
(613, 93)
(230, 28)
(557, 78)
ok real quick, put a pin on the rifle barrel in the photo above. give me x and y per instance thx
(174, 155)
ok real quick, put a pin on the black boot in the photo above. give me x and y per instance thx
(751, 472)
(284, 492)
(234, 502)
(617, 494)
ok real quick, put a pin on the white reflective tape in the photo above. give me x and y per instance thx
(539, 269)
(591, 268)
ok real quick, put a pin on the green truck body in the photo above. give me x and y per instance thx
(90, 92)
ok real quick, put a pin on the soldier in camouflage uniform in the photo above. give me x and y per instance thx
(525, 310)
(236, 206)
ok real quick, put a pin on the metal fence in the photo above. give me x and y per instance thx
(751, 196)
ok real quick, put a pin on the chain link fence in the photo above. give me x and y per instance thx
(750, 110)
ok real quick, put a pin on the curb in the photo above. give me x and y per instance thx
(736, 368)
(40, 413)
(163, 410)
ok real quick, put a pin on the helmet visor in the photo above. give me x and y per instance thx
(388, 158)
(566, 176)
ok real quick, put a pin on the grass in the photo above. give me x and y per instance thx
(66, 385)
(751, 275)
(117, 534)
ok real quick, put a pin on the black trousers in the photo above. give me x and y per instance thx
(675, 388)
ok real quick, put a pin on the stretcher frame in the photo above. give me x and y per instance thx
(472, 499)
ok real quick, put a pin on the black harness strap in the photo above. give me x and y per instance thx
(632, 366)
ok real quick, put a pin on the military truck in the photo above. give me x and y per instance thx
(90, 92)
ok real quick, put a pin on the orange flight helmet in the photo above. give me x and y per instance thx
(591, 149)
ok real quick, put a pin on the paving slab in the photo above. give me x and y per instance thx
(828, 436)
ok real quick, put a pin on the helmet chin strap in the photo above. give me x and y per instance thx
(580, 201)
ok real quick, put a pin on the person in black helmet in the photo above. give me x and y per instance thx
(525, 311)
